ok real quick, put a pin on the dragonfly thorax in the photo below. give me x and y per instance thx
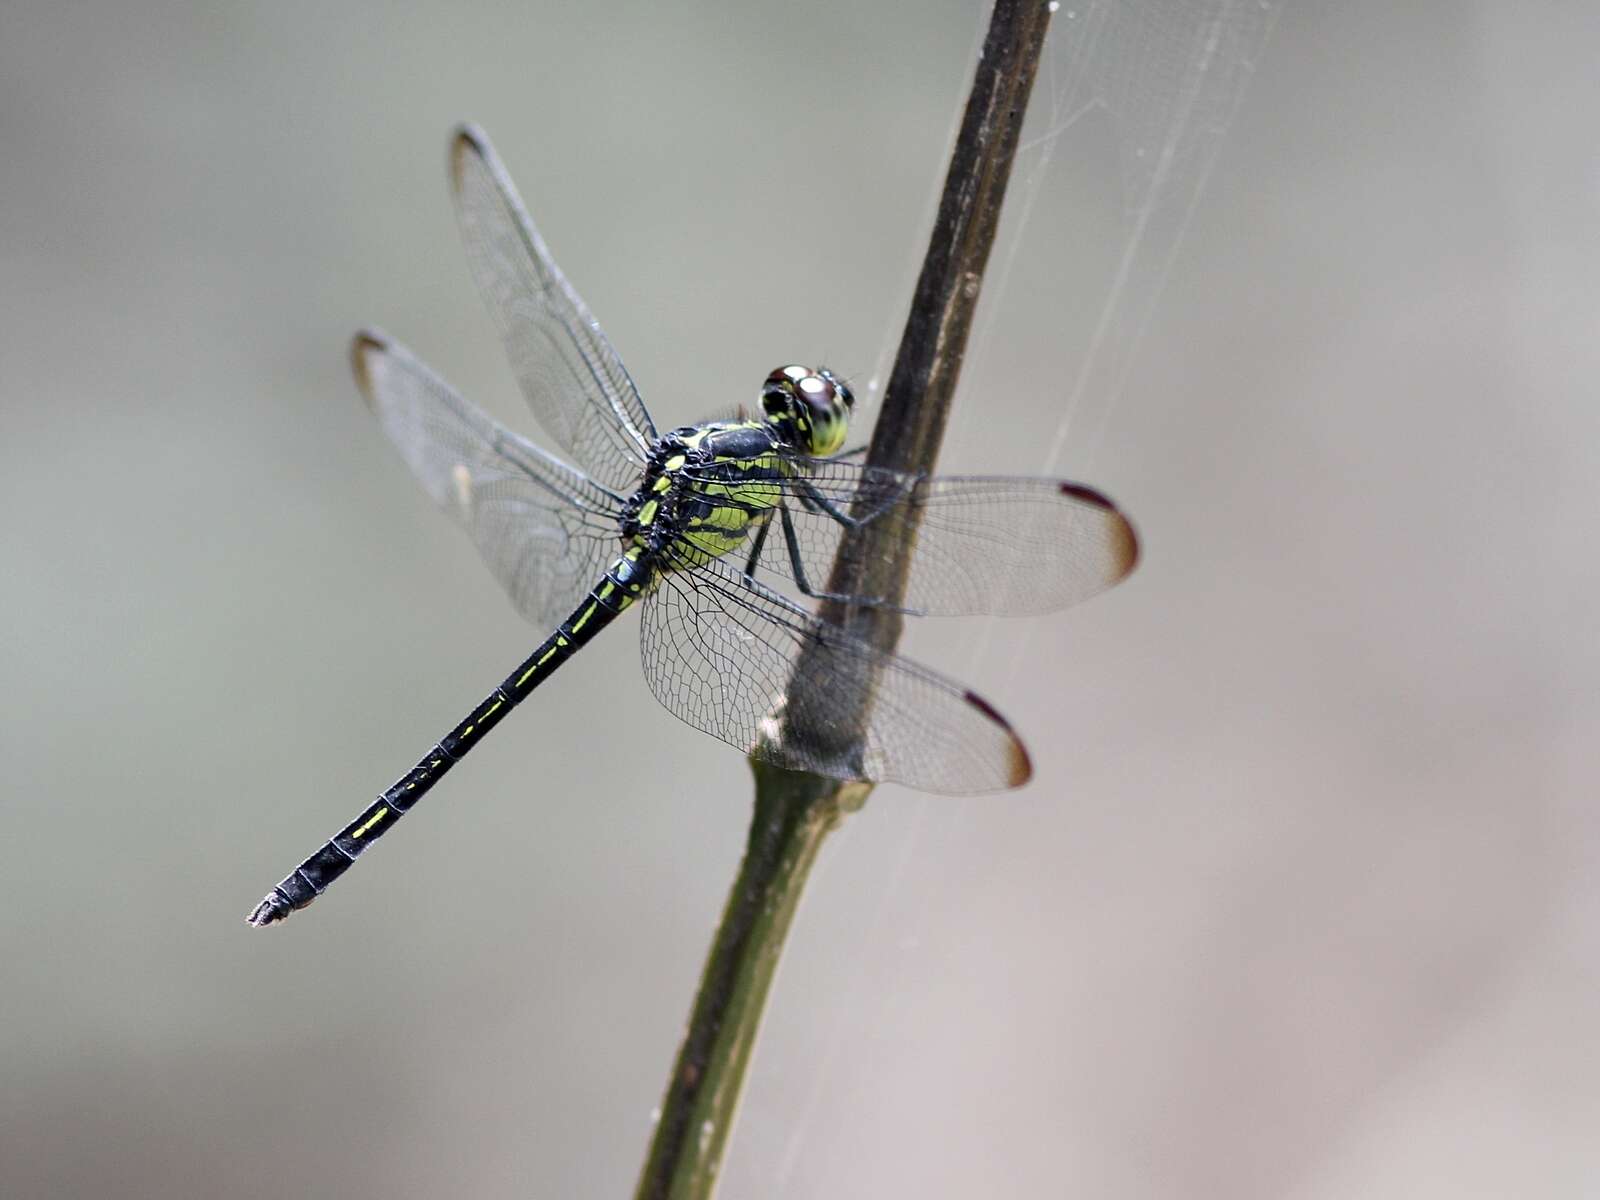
(705, 488)
(808, 408)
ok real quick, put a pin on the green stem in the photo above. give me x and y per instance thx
(794, 812)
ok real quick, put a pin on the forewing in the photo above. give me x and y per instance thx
(1005, 545)
(719, 652)
(546, 531)
(567, 369)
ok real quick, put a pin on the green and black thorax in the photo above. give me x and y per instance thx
(706, 486)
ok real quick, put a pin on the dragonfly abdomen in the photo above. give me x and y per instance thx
(627, 580)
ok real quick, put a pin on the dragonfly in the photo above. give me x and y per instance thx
(721, 533)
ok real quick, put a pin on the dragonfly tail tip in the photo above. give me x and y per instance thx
(273, 908)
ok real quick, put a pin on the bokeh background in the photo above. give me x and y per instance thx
(1302, 900)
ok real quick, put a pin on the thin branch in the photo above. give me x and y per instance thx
(794, 811)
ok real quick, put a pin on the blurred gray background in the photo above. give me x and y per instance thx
(1302, 899)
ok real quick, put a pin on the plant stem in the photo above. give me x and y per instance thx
(793, 814)
(794, 811)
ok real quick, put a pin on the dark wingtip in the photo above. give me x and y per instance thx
(1126, 546)
(471, 133)
(468, 137)
(1124, 538)
(1021, 764)
(1019, 768)
(1088, 495)
(367, 341)
(272, 909)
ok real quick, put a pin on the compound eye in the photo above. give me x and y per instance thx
(774, 397)
(817, 388)
(818, 393)
(840, 387)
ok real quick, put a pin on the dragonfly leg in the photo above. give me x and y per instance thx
(815, 502)
(756, 543)
(797, 568)
(792, 540)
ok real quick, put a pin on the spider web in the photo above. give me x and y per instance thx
(1164, 78)
(1169, 75)
(1159, 81)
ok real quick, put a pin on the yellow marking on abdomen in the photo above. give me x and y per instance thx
(487, 713)
(584, 620)
(542, 659)
(380, 814)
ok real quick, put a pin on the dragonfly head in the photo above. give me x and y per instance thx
(809, 407)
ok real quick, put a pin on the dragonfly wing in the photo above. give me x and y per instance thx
(1005, 545)
(719, 652)
(568, 371)
(546, 531)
